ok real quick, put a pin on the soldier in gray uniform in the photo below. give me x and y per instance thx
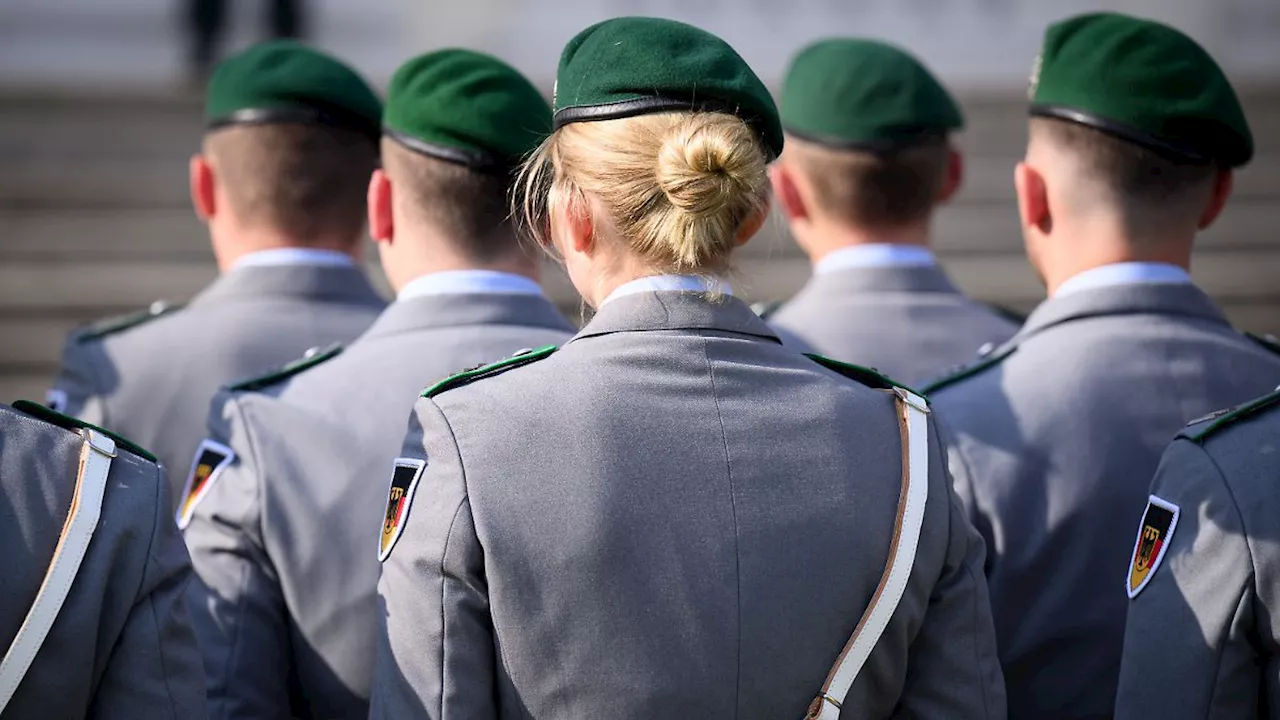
(1134, 134)
(1200, 641)
(673, 516)
(281, 179)
(868, 161)
(284, 531)
(92, 618)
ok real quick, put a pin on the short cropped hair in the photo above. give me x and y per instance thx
(889, 189)
(307, 181)
(1146, 186)
(467, 206)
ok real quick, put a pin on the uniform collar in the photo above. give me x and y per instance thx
(669, 283)
(897, 278)
(427, 312)
(675, 310)
(874, 255)
(1174, 299)
(1125, 273)
(293, 256)
(314, 282)
(468, 282)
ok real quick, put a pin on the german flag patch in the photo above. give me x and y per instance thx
(404, 480)
(1154, 534)
(210, 460)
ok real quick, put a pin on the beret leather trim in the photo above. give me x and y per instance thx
(657, 104)
(876, 147)
(478, 161)
(1122, 131)
(304, 116)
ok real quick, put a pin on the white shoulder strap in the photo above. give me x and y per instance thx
(82, 520)
(913, 423)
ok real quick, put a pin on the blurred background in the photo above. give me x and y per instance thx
(99, 110)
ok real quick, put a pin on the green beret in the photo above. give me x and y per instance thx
(466, 107)
(1143, 82)
(864, 95)
(635, 66)
(285, 81)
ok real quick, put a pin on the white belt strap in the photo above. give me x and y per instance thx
(913, 424)
(82, 520)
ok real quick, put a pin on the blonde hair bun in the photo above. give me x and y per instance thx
(707, 162)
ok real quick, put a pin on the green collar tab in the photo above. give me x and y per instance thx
(42, 412)
(312, 358)
(466, 377)
(1216, 421)
(968, 371)
(120, 323)
(867, 376)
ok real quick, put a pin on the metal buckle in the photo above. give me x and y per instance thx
(101, 443)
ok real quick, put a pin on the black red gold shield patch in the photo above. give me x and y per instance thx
(404, 480)
(1154, 534)
(211, 458)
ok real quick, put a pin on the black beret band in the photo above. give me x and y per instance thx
(658, 104)
(300, 115)
(1124, 132)
(480, 162)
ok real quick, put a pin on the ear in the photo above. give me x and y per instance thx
(1033, 198)
(1222, 186)
(751, 225)
(954, 178)
(784, 188)
(578, 226)
(202, 182)
(382, 225)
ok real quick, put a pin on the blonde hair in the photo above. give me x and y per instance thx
(676, 186)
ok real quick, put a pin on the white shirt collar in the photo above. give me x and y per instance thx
(668, 283)
(874, 255)
(1125, 273)
(277, 257)
(460, 282)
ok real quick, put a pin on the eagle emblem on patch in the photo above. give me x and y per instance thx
(404, 480)
(211, 459)
(1154, 534)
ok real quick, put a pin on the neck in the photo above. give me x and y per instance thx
(1105, 245)
(828, 240)
(231, 247)
(400, 275)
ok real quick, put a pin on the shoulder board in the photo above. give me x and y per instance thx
(764, 309)
(42, 412)
(312, 358)
(968, 371)
(466, 377)
(1202, 428)
(119, 323)
(867, 376)
(1267, 342)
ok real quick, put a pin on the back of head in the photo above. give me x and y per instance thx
(292, 134)
(667, 146)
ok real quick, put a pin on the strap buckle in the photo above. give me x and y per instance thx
(100, 443)
(912, 399)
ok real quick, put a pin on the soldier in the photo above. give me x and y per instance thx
(672, 516)
(283, 536)
(868, 161)
(291, 140)
(92, 618)
(1134, 134)
(1200, 641)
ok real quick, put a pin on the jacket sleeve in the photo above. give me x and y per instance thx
(1187, 642)
(436, 643)
(236, 602)
(953, 670)
(79, 389)
(154, 669)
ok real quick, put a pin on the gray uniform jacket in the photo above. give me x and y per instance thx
(122, 645)
(1201, 641)
(1056, 437)
(910, 323)
(671, 517)
(153, 382)
(286, 539)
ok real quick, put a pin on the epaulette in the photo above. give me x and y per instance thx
(466, 377)
(113, 325)
(41, 412)
(1268, 342)
(310, 359)
(867, 376)
(764, 309)
(967, 371)
(1213, 422)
